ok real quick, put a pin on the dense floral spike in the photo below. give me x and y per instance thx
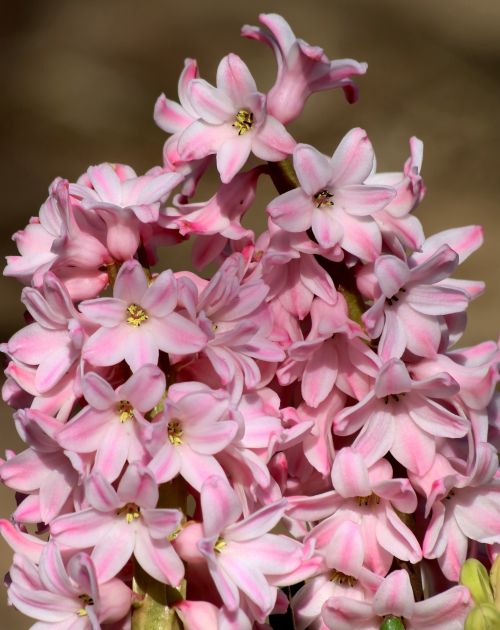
(297, 416)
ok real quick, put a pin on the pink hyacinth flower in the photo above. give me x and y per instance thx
(408, 310)
(241, 554)
(124, 201)
(183, 440)
(370, 497)
(394, 599)
(110, 425)
(302, 68)
(333, 199)
(402, 416)
(232, 122)
(123, 522)
(139, 321)
(66, 596)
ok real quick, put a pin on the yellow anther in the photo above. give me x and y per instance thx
(174, 430)
(369, 501)
(131, 511)
(220, 543)
(81, 612)
(323, 198)
(243, 121)
(341, 578)
(125, 410)
(137, 315)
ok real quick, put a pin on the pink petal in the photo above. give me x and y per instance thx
(138, 486)
(353, 159)
(107, 312)
(113, 451)
(395, 596)
(170, 116)
(234, 78)
(114, 549)
(325, 228)
(361, 235)
(144, 388)
(444, 611)
(477, 513)
(219, 505)
(292, 211)
(212, 104)
(320, 374)
(392, 342)
(376, 437)
(350, 474)
(313, 169)
(197, 468)
(436, 419)
(361, 200)
(107, 346)
(272, 141)
(232, 155)
(100, 493)
(160, 298)
(394, 536)
(131, 283)
(54, 367)
(158, 558)
(201, 139)
(412, 447)
(84, 433)
(106, 183)
(392, 273)
(343, 613)
(98, 392)
(433, 300)
(161, 522)
(176, 334)
(81, 529)
(393, 378)
(251, 582)
(258, 523)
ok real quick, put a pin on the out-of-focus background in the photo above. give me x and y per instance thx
(80, 78)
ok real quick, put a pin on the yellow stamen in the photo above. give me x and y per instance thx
(369, 501)
(125, 410)
(341, 578)
(323, 198)
(131, 511)
(220, 543)
(137, 315)
(243, 121)
(175, 432)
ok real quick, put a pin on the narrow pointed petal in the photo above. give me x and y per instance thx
(219, 505)
(353, 159)
(234, 79)
(313, 169)
(292, 210)
(158, 558)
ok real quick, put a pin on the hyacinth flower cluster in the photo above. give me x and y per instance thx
(293, 440)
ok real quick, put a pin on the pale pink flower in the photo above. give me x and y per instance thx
(124, 202)
(398, 227)
(370, 497)
(410, 302)
(53, 342)
(43, 471)
(395, 598)
(333, 199)
(66, 595)
(139, 321)
(463, 507)
(123, 522)
(63, 241)
(232, 121)
(403, 416)
(302, 68)
(232, 312)
(111, 425)
(343, 575)
(241, 554)
(187, 435)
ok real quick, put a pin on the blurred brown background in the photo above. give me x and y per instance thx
(80, 78)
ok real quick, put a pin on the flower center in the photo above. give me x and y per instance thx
(174, 430)
(86, 601)
(341, 578)
(220, 543)
(243, 121)
(125, 410)
(136, 315)
(369, 501)
(323, 198)
(131, 511)
(394, 397)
